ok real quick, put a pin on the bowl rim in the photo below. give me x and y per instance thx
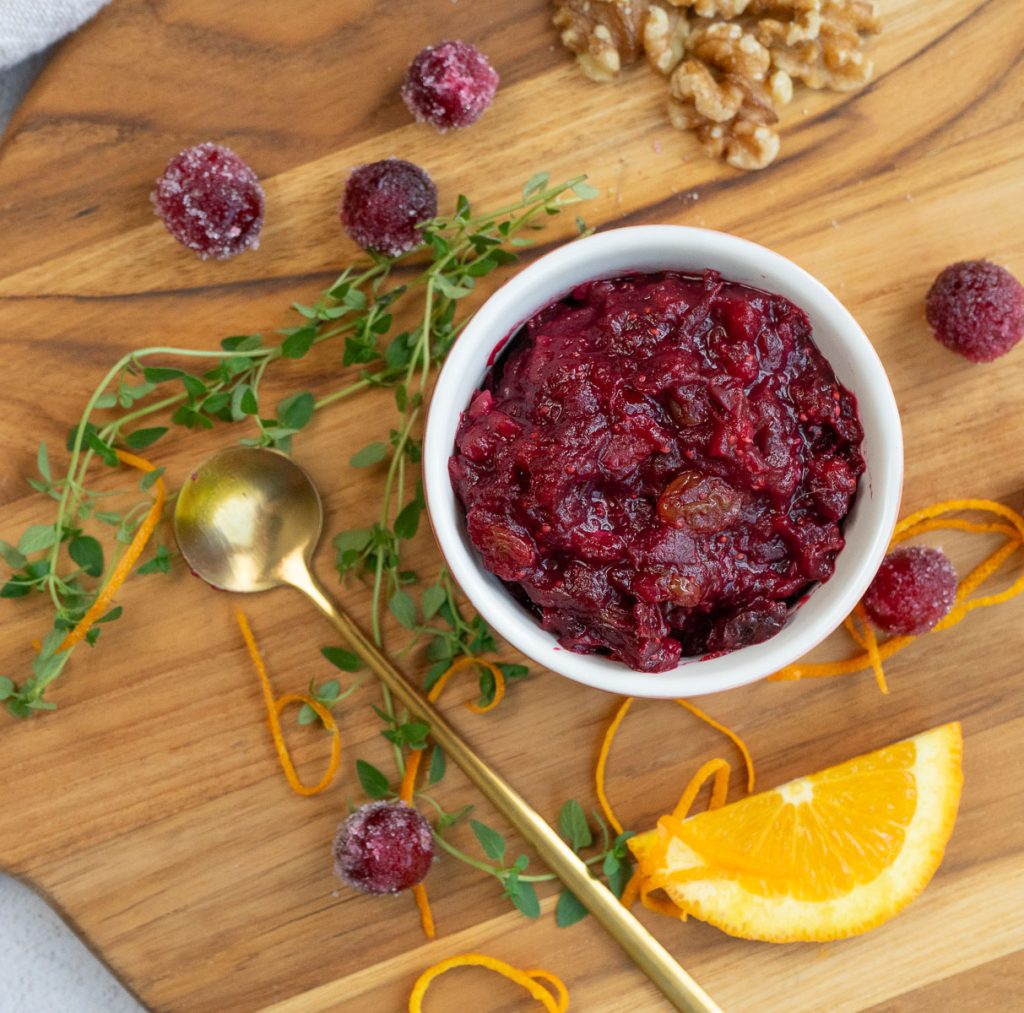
(515, 302)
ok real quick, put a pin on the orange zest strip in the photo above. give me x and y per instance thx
(412, 765)
(721, 785)
(871, 643)
(729, 734)
(468, 662)
(117, 577)
(923, 521)
(274, 709)
(717, 768)
(557, 1003)
(645, 884)
(419, 892)
(561, 992)
(641, 883)
(602, 762)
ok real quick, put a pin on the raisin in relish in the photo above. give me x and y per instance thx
(659, 465)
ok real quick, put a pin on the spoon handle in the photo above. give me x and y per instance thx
(652, 958)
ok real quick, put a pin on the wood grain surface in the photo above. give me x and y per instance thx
(149, 808)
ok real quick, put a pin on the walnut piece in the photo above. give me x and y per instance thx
(728, 47)
(786, 22)
(714, 8)
(664, 38)
(824, 48)
(698, 96)
(605, 35)
(731, 63)
(732, 115)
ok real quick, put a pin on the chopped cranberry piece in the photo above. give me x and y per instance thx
(689, 404)
(659, 464)
(449, 85)
(210, 201)
(384, 202)
(976, 308)
(383, 847)
(752, 625)
(913, 589)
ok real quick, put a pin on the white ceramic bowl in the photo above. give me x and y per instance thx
(841, 340)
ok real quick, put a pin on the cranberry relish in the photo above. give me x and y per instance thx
(658, 465)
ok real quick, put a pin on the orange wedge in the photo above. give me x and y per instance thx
(823, 857)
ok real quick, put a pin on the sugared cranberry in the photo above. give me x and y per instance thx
(449, 85)
(210, 201)
(384, 202)
(976, 308)
(383, 847)
(913, 589)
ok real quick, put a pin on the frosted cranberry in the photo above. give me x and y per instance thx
(383, 847)
(449, 85)
(210, 201)
(976, 308)
(699, 503)
(383, 204)
(913, 589)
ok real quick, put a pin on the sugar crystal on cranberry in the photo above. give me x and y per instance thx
(383, 847)
(976, 308)
(210, 201)
(383, 204)
(449, 85)
(914, 588)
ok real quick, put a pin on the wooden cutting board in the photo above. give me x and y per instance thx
(149, 808)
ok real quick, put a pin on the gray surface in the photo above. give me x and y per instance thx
(15, 81)
(44, 968)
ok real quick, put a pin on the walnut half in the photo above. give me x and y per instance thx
(823, 45)
(605, 35)
(732, 115)
(721, 93)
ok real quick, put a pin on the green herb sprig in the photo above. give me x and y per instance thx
(612, 858)
(143, 396)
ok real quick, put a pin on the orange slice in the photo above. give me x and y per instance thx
(823, 857)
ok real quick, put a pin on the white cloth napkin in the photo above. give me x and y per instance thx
(27, 26)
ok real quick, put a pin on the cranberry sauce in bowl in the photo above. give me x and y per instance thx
(659, 465)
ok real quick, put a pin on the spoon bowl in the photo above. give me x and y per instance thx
(244, 516)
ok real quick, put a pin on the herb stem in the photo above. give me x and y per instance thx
(338, 395)
(389, 709)
(497, 871)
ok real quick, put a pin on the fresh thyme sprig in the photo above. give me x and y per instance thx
(142, 397)
(612, 858)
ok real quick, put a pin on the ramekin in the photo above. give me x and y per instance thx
(649, 248)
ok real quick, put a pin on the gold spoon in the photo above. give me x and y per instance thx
(248, 520)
